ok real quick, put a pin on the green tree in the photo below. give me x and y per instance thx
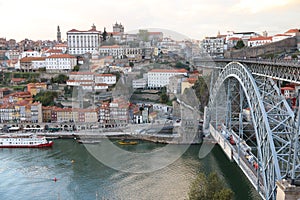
(202, 92)
(239, 45)
(46, 97)
(104, 35)
(181, 65)
(61, 78)
(76, 68)
(143, 35)
(224, 194)
(209, 188)
(131, 64)
(163, 96)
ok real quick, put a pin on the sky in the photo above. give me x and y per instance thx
(196, 19)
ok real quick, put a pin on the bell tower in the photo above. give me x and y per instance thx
(58, 35)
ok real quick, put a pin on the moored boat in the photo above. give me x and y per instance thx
(10, 141)
(123, 142)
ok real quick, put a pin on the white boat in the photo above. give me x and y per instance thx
(24, 141)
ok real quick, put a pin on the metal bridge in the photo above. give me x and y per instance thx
(266, 143)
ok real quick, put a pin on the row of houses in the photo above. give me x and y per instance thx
(216, 45)
(91, 81)
(53, 63)
(19, 107)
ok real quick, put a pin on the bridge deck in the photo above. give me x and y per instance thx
(231, 151)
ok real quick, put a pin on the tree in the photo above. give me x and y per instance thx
(131, 64)
(202, 92)
(181, 65)
(163, 96)
(240, 44)
(143, 35)
(46, 97)
(209, 188)
(76, 68)
(104, 35)
(61, 78)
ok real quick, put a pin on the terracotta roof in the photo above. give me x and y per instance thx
(192, 80)
(18, 79)
(101, 84)
(105, 75)
(74, 81)
(54, 51)
(4, 89)
(75, 30)
(61, 45)
(293, 31)
(30, 59)
(260, 38)
(287, 88)
(282, 35)
(61, 56)
(234, 38)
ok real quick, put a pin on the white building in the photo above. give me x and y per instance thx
(81, 42)
(258, 41)
(12, 54)
(213, 46)
(241, 35)
(39, 63)
(62, 47)
(81, 76)
(293, 32)
(279, 37)
(94, 87)
(118, 51)
(30, 53)
(158, 78)
(109, 79)
(62, 62)
(32, 63)
(139, 83)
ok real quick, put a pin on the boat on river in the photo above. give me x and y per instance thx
(125, 142)
(24, 141)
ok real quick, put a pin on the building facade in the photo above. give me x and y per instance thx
(158, 78)
(81, 42)
(60, 63)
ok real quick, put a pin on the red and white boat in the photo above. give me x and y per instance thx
(29, 141)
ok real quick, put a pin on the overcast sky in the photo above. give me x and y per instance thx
(37, 19)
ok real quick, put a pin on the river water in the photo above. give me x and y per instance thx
(30, 173)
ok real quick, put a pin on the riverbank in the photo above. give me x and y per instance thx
(90, 135)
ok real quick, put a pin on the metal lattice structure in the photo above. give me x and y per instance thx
(273, 121)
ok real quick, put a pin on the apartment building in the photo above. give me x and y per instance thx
(158, 78)
(213, 46)
(60, 63)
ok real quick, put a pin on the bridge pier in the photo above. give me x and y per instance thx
(286, 191)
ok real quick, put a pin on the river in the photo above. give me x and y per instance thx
(30, 173)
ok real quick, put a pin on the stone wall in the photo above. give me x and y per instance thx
(286, 45)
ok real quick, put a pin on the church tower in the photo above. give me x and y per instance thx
(58, 35)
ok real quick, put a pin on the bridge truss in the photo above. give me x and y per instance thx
(273, 135)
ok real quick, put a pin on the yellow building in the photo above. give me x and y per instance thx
(35, 88)
(189, 82)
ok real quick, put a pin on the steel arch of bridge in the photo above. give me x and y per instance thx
(273, 122)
